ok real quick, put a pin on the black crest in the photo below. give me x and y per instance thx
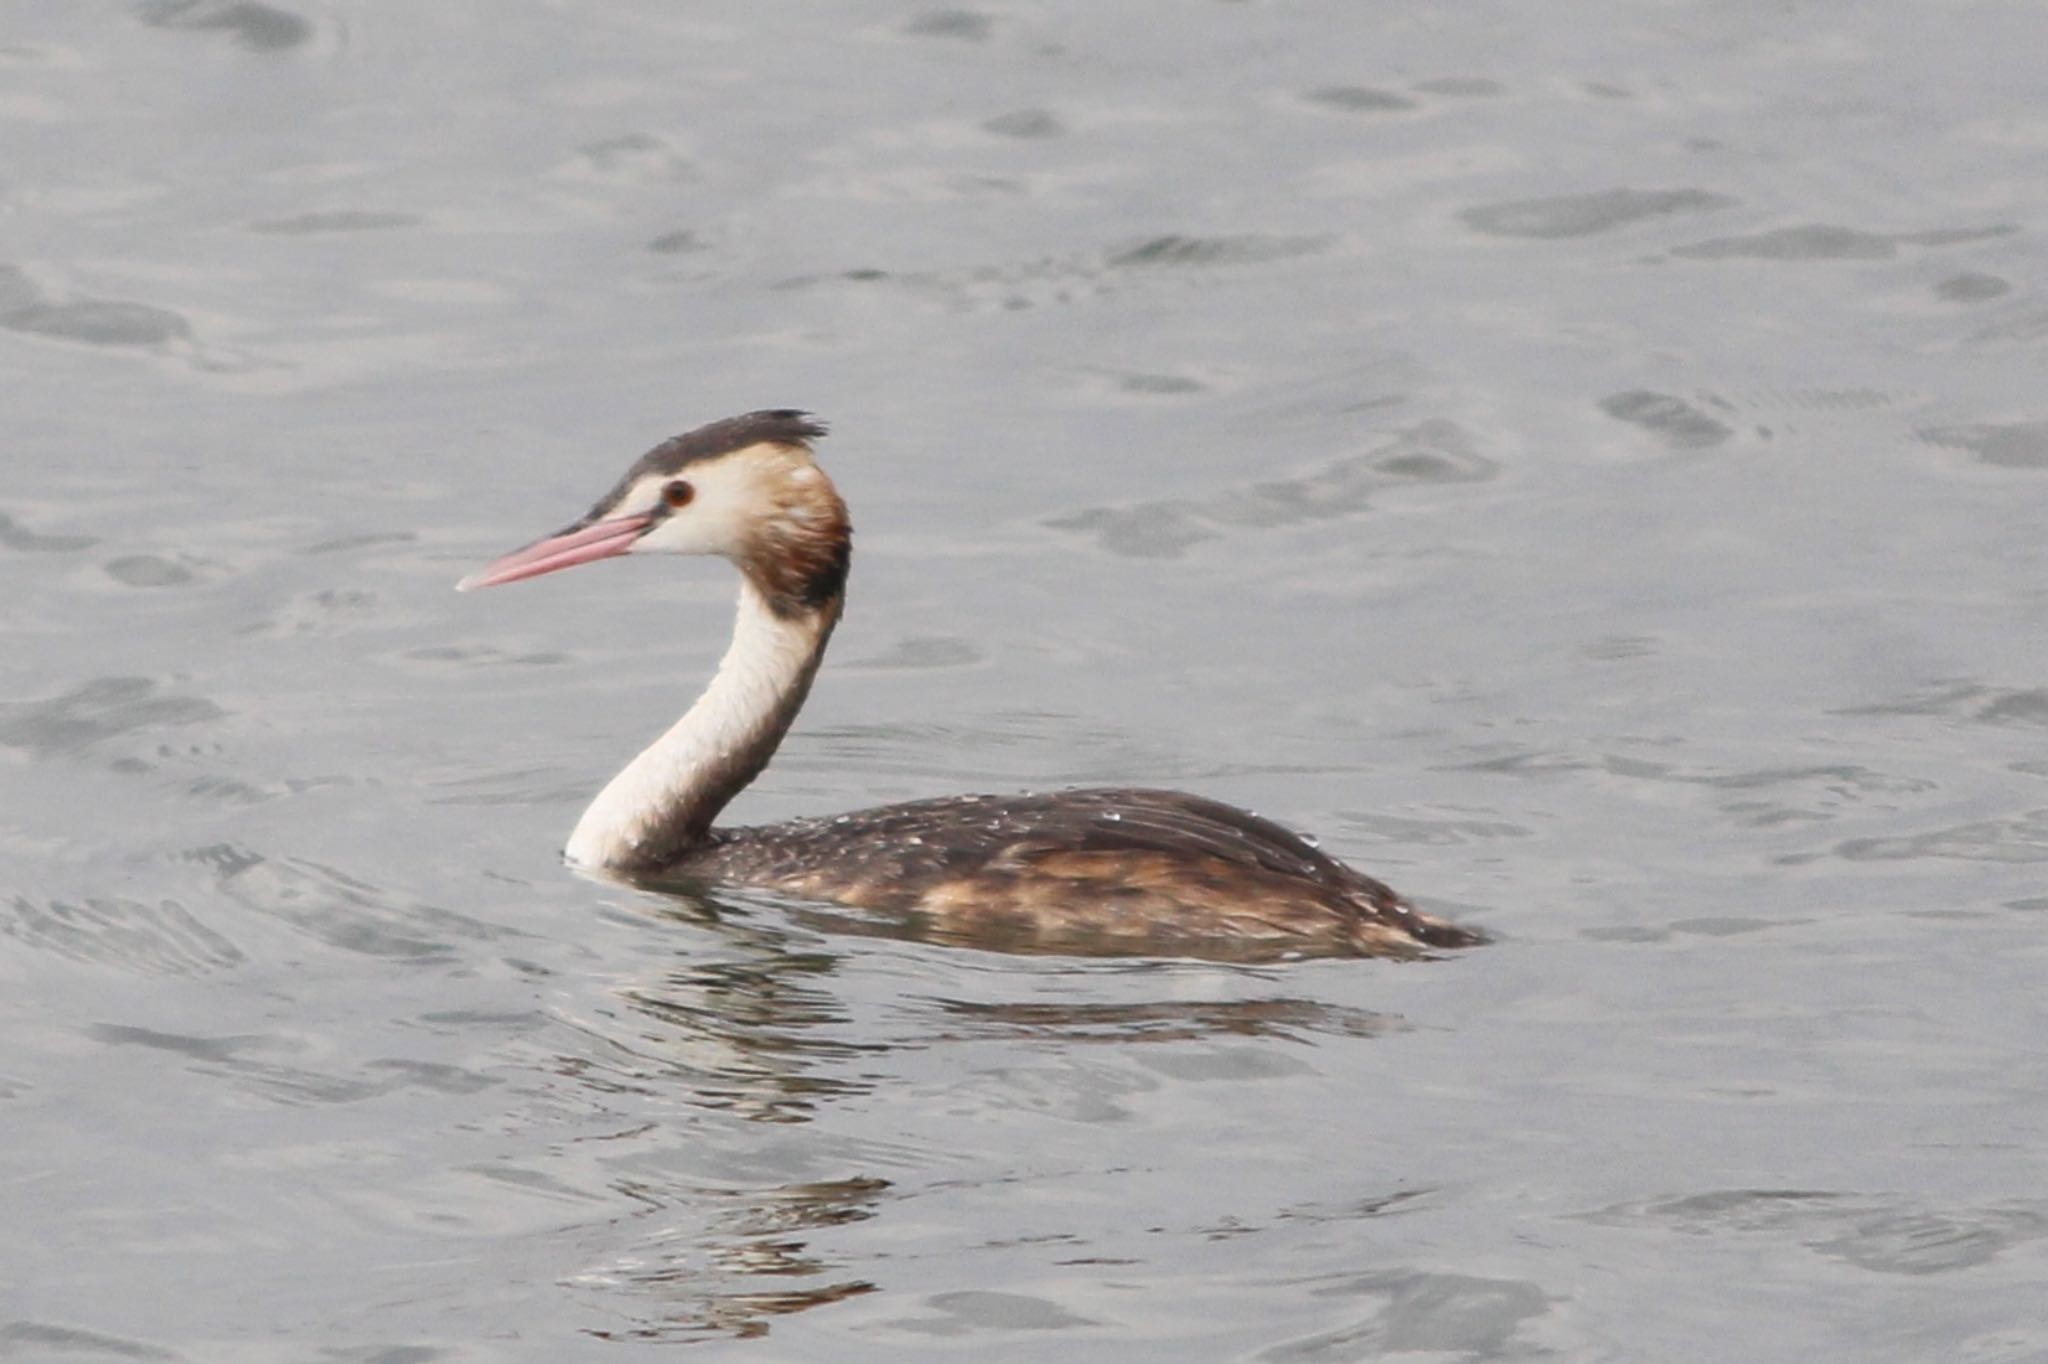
(775, 426)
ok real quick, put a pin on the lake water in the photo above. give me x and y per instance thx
(1589, 465)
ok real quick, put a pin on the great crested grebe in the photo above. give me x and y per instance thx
(1109, 869)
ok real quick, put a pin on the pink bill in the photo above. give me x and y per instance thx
(599, 541)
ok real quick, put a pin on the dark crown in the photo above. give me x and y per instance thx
(774, 426)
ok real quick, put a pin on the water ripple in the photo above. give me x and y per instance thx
(95, 711)
(1883, 1235)
(1583, 215)
(1434, 451)
(160, 939)
(258, 27)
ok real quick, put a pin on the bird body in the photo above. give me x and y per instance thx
(1109, 869)
(1098, 869)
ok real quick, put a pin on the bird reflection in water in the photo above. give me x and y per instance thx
(749, 1027)
(709, 1282)
(747, 1036)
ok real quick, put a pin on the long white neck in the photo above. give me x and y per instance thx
(662, 803)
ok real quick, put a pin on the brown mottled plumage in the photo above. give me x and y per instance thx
(1102, 870)
(1098, 870)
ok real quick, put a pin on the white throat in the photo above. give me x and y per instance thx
(664, 800)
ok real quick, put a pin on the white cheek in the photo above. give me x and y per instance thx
(715, 522)
(693, 530)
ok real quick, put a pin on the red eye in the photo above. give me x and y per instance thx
(678, 494)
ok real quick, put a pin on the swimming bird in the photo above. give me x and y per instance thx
(1127, 870)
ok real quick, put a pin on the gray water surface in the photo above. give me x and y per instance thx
(1588, 466)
